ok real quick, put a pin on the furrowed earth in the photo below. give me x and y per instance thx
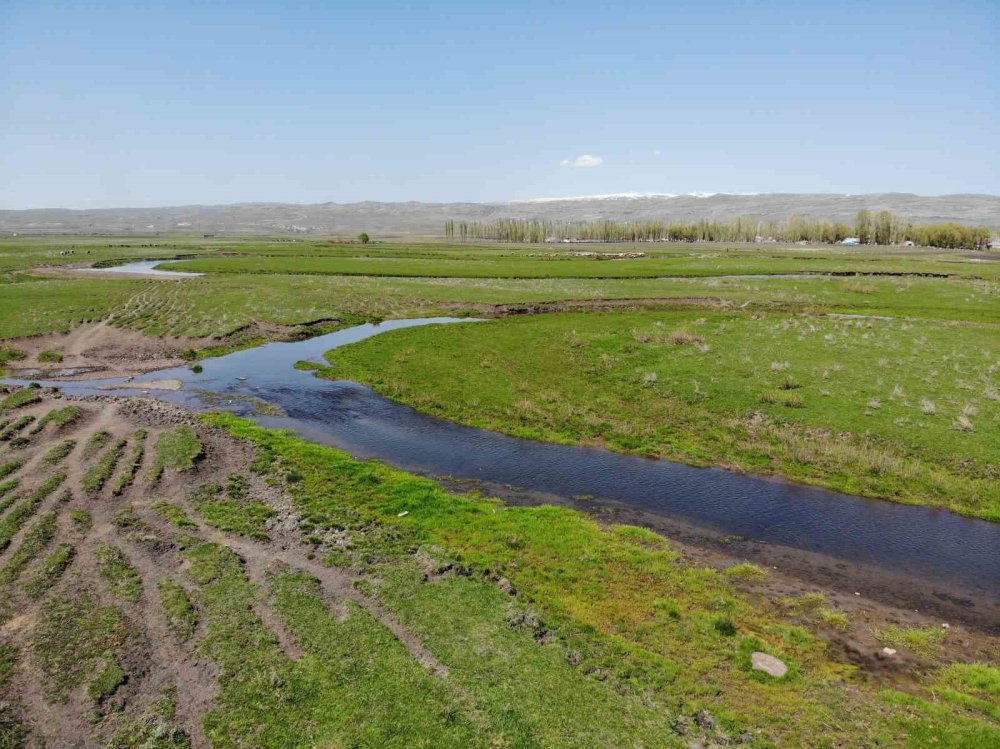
(172, 579)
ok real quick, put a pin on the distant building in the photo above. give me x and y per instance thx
(993, 243)
(852, 241)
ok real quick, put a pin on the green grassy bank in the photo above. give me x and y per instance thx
(610, 638)
(905, 410)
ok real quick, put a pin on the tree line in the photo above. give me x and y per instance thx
(883, 228)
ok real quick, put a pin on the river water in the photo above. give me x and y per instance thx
(934, 545)
(143, 267)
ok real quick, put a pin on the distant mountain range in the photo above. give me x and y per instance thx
(414, 218)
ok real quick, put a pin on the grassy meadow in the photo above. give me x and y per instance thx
(295, 282)
(908, 410)
(555, 264)
(616, 604)
(217, 583)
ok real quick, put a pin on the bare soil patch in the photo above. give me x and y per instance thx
(100, 350)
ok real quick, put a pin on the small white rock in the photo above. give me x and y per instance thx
(946, 626)
(404, 513)
(889, 651)
(768, 664)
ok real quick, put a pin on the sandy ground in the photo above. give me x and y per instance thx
(85, 271)
(146, 385)
(100, 350)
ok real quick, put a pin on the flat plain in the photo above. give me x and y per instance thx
(172, 580)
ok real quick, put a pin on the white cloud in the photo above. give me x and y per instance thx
(657, 152)
(582, 161)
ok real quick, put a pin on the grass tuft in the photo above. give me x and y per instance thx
(59, 417)
(6, 469)
(153, 728)
(82, 520)
(231, 511)
(12, 522)
(120, 576)
(180, 612)
(921, 640)
(99, 473)
(178, 449)
(49, 571)
(94, 444)
(71, 638)
(35, 540)
(59, 452)
(107, 681)
(131, 466)
(174, 514)
(19, 399)
(746, 572)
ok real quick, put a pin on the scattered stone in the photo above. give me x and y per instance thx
(682, 725)
(889, 651)
(524, 619)
(946, 626)
(506, 586)
(768, 664)
(705, 720)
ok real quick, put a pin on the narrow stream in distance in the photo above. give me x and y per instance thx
(934, 545)
(143, 267)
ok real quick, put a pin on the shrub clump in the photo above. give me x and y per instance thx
(684, 337)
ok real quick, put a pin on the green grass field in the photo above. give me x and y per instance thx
(221, 303)
(524, 626)
(904, 410)
(552, 265)
(613, 603)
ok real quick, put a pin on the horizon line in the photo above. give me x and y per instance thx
(504, 201)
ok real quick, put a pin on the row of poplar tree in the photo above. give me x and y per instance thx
(883, 228)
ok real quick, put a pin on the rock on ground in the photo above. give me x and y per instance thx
(768, 664)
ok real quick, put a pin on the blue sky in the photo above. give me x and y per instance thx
(149, 103)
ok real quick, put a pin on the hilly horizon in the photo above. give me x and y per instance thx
(427, 218)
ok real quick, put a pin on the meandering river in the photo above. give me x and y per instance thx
(934, 545)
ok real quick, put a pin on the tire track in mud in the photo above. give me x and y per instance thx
(336, 586)
(152, 658)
